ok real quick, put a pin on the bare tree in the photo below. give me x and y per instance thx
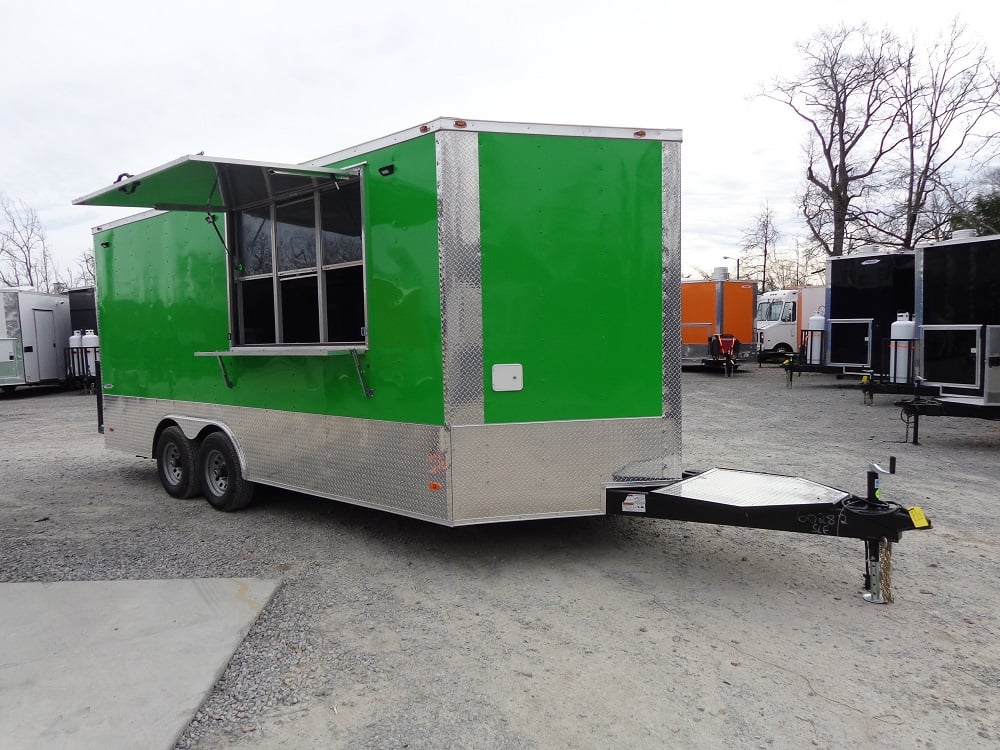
(85, 272)
(797, 266)
(982, 210)
(25, 260)
(759, 240)
(847, 99)
(948, 116)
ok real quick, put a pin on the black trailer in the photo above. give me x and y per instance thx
(957, 285)
(868, 290)
(866, 293)
(82, 309)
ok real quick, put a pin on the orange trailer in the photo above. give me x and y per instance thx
(717, 317)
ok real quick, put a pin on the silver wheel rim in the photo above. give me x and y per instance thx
(172, 468)
(216, 473)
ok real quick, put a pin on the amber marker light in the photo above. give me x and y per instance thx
(460, 123)
(424, 128)
(434, 486)
(640, 134)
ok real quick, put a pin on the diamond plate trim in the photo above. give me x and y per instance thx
(459, 256)
(671, 187)
(544, 469)
(488, 472)
(385, 465)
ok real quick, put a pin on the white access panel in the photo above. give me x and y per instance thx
(508, 378)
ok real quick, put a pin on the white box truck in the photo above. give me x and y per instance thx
(781, 317)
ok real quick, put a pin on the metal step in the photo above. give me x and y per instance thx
(745, 489)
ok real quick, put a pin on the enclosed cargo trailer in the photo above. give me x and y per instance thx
(958, 317)
(958, 325)
(408, 324)
(717, 313)
(867, 292)
(464, 322)
(33, 342)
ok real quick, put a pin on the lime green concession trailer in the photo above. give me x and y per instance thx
(462, 322)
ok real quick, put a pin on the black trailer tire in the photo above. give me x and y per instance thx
(222, 479)
(177, 463)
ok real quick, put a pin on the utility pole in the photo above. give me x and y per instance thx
(737, 259)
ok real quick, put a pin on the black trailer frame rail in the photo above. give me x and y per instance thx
(920, 406)
(776, 502)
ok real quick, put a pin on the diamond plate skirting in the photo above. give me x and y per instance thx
(510, 471)
(487, 472)
(386, 465)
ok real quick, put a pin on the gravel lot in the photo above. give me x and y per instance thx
(580, 633)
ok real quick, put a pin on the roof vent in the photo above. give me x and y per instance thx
(720, 273)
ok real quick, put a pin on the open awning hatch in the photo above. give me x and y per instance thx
(205, 183)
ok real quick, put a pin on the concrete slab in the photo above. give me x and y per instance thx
(116, 664)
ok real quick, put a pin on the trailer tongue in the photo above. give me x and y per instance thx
(782, 503)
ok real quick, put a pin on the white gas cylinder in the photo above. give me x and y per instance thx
(814, 339)
(76, 365)
(902, 337)
(91, 342)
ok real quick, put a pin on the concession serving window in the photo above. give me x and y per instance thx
(294, 239)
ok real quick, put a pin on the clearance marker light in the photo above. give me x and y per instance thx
(434, 485)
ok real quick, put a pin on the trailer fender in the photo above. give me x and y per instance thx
(195, 428)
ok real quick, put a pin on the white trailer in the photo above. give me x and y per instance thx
(34, 338)
(781, 317)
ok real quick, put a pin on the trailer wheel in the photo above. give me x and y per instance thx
(176, 463)
(221, 478)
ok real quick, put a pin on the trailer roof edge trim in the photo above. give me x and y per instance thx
(494, 126)
(205, 183)
(958, 241)
(125, 220)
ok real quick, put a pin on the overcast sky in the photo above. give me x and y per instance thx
(93, 89)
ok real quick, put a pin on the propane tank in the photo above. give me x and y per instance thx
(902, 335)
(814, 339)
(75, 361)
(90, 342)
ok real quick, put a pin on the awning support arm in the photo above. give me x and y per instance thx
(225, 374)
(369, 393)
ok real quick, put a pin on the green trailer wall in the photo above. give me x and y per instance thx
(162, 283)
(571, 275)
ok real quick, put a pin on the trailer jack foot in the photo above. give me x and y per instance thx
(878, 571)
